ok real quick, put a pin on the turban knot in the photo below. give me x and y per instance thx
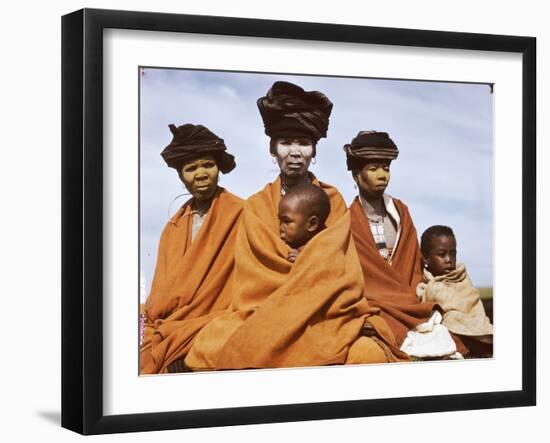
(370, 145)
(289, 111)
(190, 141)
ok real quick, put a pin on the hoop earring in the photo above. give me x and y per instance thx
(273, 160)
(313, 160)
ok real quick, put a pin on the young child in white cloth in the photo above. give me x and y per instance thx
(448, 285)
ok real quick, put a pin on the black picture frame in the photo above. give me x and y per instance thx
(82, 218)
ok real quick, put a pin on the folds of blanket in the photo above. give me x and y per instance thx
(463, 312)
(392, 287)
(308, 313)
(192, 281)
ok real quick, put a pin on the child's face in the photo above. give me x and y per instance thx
(295, 227)
(442, 257)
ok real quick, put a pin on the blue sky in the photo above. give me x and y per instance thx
(444, 132)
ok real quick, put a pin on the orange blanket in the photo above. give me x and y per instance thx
(192, 282)
(392, 288)
(283, 314)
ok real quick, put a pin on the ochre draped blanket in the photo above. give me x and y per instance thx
(192, 282)
(392, 288)
(302, 314)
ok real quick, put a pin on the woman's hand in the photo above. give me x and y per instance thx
(292, 255)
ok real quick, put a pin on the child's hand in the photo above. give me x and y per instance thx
(292, 255)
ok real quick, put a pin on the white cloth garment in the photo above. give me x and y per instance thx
(431, 340)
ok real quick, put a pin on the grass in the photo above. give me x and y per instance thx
(485, 293)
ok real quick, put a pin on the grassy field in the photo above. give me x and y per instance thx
(485, 293)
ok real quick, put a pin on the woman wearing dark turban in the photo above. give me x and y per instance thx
(193, 276)
(388, 249)
(312, 311)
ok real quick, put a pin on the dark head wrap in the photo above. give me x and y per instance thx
(289, 111)
(370, 145)
(192, 140)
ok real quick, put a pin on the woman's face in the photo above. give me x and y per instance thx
(294, 155)
(200, 176)
(373, 178)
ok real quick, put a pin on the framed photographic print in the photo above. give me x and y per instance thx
(273, 221)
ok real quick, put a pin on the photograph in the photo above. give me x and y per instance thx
(290, 220)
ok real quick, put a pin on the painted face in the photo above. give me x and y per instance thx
(373, 178)
(295, 227)
(442, 257)
(294, 156)
(200, 176)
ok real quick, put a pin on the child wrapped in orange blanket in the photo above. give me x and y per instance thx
(284, 314)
